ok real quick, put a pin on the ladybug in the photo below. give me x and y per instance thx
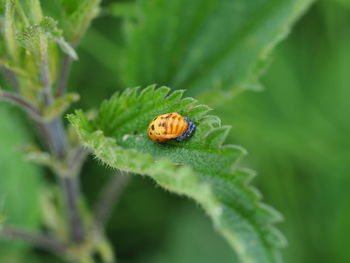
(170, 126)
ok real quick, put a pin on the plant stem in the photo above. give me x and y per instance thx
(69, 184)
(46, 81)
(70, 187)
(77, 158)
(62, 81)
(109, 198)
(57, 140)
(11, 77)
(46, 242)
(23, 103)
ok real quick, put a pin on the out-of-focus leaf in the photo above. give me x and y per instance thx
(35, 155)
(20, 180)
(70, 5)
(31, 38)
(60, 106)
(9, 30)
(123, 9)
(95, 40)
(190, 232)
(67, 48)
(344, 3)
(300, 125)
(201, 168)
(77, 22)
(35, 10)
(12, 66)
(49, 26)
(30, 10)
(204, 45)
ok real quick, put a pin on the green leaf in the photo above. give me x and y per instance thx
(9, 30)
(13, 67)
(20, 180)
(36, 11)
(78, 21)
(17, 176)
(123, 9)
(31, 37)
(59, 106)
(202, 168)
(67, 48)
(49, 25)
(35, 155)
(200, 45)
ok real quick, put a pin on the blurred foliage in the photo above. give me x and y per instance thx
(296, 132)
(189, 233)
(20, 184)
(202, 45)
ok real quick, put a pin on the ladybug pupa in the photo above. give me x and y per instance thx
(170, 126)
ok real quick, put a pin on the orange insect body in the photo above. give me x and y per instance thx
(170, 126)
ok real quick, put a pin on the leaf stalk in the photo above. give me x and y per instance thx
(39, 240)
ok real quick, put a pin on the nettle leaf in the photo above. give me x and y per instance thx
(32, 36)
(202, 168)
(9, 29)
(79, 18)
(204, 44)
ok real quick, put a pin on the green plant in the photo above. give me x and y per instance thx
(36, 55)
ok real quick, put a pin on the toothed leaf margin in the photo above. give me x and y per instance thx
(201, 168)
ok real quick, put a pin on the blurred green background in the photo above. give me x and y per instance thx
(296, 131)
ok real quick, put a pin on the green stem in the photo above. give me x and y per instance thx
(109, 198)
(62, 81)
(11, 78)
(70, 187)
(57, 141)
(22, 102)
(39, 240)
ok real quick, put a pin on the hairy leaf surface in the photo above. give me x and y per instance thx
(202, 168)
